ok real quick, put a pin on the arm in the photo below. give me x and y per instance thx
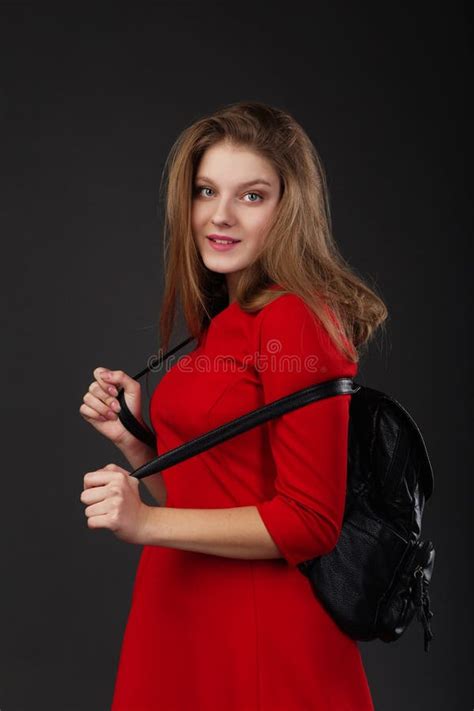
(309, 446)
(233, 533)
(138, 454)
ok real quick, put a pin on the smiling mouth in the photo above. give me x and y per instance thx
(223, 241)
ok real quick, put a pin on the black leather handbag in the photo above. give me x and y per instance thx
(377, 576)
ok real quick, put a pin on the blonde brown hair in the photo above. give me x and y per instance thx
(299, 252)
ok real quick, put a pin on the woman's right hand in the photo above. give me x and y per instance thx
(100, 405)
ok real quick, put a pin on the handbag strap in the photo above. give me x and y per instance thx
(128, 420)
(329, 388)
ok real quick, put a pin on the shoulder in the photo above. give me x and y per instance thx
(289, 327)
(288, 315)
(284, 305)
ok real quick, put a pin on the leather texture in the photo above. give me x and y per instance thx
(376, 578)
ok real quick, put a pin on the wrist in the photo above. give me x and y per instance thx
(136, 451)
(130, 443)
(150, 528)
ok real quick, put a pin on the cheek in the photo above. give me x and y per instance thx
(261, 222)
(196, 216)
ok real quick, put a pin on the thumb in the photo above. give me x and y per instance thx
(115, 468)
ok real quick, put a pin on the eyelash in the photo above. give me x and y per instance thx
(198, 189)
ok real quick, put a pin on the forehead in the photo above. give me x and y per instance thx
(235, 165)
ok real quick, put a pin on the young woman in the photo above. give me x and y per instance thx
(221, 619)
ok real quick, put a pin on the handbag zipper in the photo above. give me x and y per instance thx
(421, 601)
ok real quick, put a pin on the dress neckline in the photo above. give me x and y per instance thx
(228, 308)
(223, 311)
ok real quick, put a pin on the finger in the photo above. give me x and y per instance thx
(98, 374)
(98, 509)
(108, 409)
(100, 477)
(99, 521)
(90, 414)
(94, 495)
(103, 392)
(114, 467)
(119, 379)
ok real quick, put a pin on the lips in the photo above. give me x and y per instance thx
(221, 238)
(226, 246)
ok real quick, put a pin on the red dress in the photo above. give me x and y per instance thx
(211, 633)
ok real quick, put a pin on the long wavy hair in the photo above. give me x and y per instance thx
(299, 253)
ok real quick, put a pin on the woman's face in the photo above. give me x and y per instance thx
(236, 192)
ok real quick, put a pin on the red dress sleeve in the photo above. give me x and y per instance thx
(309, 444)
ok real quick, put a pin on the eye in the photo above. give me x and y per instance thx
(257, 194)
(199, 188)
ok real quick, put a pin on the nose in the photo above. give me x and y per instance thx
(223, 214)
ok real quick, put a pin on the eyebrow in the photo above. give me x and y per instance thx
(257, 181)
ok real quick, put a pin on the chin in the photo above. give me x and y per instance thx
(222, 268)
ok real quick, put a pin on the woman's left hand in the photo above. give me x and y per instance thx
(114, 502)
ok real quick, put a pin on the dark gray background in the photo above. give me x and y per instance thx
(90, 105)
